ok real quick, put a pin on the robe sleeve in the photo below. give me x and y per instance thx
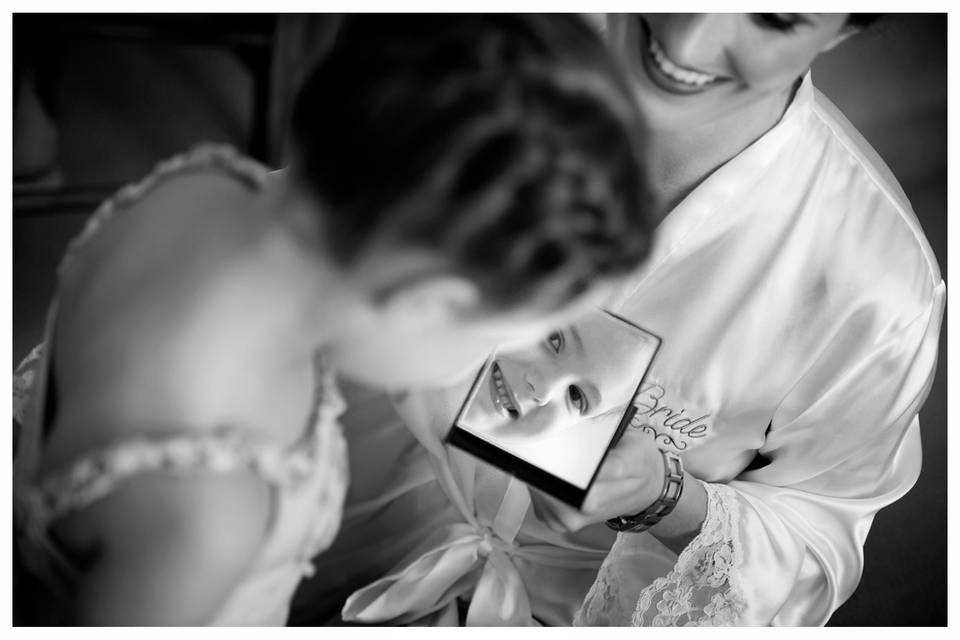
(783, 544)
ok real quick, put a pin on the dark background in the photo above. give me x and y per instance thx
(891, 82)
(99, 99)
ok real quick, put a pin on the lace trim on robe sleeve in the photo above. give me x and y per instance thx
(703, 588)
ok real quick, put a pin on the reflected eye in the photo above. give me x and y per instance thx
(578, 399)
(555, 341)
(785, 22)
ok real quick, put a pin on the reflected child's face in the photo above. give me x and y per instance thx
(583, 372)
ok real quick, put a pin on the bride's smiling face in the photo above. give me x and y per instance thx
(585, 371)
(689, 69)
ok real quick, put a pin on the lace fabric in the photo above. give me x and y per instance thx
(702, 588)
(101, 473)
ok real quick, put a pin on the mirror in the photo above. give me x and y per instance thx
(549, 412)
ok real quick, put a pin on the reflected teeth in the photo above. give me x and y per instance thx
(676, 72)
(503, 393)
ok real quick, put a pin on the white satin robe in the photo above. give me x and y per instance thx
(800, 306)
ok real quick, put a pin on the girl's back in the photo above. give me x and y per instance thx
(472, 182)
(142, 422)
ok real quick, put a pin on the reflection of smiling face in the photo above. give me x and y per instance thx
(586, 371)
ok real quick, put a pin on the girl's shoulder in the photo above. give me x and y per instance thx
(157, 301)
(209, 159)
(184, 213)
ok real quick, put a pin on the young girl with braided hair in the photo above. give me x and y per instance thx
(457, 182)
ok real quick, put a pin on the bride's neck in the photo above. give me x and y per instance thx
(677, 161)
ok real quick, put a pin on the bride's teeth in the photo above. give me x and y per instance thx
(685, 76)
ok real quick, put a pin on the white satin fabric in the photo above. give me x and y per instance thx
(481, 555)
(793, 289)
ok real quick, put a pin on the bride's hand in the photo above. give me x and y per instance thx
(629, 481)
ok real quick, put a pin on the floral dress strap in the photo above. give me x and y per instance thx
(97, 474)
(204, 156)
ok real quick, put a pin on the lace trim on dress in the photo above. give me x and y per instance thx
(101, 473)
(703, 589)
(96, 475)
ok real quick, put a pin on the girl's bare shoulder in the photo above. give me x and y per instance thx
(155, 315)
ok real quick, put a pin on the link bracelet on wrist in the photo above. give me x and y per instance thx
(669, 497)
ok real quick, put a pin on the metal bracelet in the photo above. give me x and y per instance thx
(669, 497)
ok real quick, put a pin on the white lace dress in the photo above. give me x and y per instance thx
(308, 478)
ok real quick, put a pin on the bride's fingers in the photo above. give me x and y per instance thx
(618, 466)
(628, 457)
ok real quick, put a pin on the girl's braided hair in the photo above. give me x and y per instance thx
(505, 143)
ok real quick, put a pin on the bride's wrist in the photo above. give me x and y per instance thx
(657, 466)
(685, 522)
(662, 492)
